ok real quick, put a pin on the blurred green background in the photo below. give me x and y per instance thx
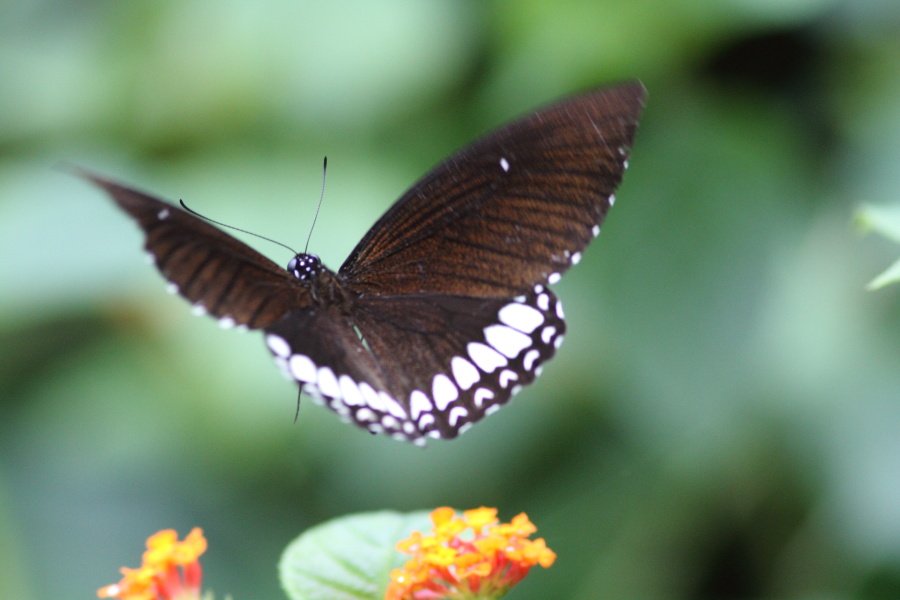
(723, 420)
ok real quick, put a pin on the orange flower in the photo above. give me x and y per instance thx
(482, 565)
(171, 570)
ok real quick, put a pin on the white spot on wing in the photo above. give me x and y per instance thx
(198, 310)
(226, 323)
(482, 395)
(313, 392)
(576, 258)
(303, 369)
(612, 199)
(457, 413)
(365, 415)
(328, 383)
(507, 376)
(543, 301)
(350, 391)
(278, 345)
(444, 391)
(521, 317)
(506, 340)
(487, 359)
(371, 396)
(504, 164)
(595, 230)
(392, 406)
(554, 278)
(559, 310)
(530, 356)
(464, 372)
(419, 404)
(547, 333)
(163, 214)
(341, 409)
(172, 287)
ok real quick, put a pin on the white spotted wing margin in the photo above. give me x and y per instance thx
(322, 352)
(428, 366)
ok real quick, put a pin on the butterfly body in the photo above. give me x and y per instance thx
(442, 312)
(325, 288)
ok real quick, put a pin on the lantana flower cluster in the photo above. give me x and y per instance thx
(170, 570)
(467, 558)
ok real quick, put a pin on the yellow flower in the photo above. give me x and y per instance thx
(171, 570)
(480, 517)
(481, 564)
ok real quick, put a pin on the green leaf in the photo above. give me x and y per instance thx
(349, 558)
(886, 221)
(882, 219)
(888, 276)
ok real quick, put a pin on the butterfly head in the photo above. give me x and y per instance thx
(305, 266)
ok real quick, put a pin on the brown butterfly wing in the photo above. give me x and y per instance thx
(217, 273)
(512, 210)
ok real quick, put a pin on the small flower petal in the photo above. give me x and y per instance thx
(480, 517)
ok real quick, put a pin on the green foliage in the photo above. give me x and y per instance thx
(886, 221)
(722, 419)
(349, 558)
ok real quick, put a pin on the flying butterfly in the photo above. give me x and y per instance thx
(442, 312)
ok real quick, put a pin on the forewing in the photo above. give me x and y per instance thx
(514, 209)
(214, 271)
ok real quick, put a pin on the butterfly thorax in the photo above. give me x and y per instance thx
(324, 285)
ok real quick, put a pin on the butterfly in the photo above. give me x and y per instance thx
(442, 312)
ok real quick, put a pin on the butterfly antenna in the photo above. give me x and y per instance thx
(321, 196)
(299, 395)
(262, 237)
